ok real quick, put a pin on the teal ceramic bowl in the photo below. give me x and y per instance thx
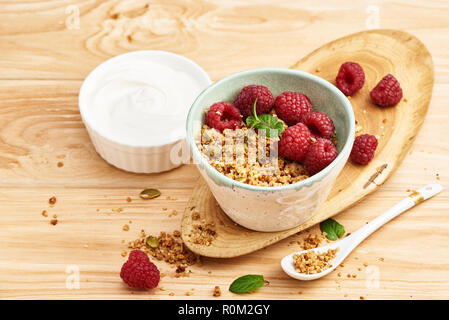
(282, 207)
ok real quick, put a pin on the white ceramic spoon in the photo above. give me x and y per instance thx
(348, 244)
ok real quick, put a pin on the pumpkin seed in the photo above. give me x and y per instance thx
(152, 242)
(150, 193)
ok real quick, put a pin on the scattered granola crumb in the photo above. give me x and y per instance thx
(173, 213)
(54, 221)
(162, 288)
(128, 199)
(60, 164)
(164, 209)
(217, 291)
(354, 275)
(171, 294)
(195, 215)
(203, 234)
(188, 293)
(362, 298)
(170, 249)
(382, 259)
(311, 241)
(52, 200)
(55, 216)
(176, 233)
(125, 227)
(44, 213)
(311, 262)
(118, 210)
(124, 253)
(365, 264)
(180, 269)
(339, 274)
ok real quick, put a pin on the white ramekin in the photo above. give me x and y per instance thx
(139, 158)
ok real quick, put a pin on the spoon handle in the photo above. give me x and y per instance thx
(413, 199)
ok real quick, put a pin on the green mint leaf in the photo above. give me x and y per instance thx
(251, 121)
(247, 283)
(333, 229)
(273, 127)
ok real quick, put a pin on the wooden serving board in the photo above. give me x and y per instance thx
(379, 52)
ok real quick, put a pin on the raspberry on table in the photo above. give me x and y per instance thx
(388, 92)
(321, 153)
(223, 115)
(294, 142)
(139, 272)
(363, 149)
(320, 124)
(244, 101)
(290, 106)
(350, 78)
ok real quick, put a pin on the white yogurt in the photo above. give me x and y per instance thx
(141, 102)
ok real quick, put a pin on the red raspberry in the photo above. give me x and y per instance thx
(388, 92)
(363, 149)
(350, 78)
(294, 142)
(139, 272)
(290, 106)
(319, 124)
(244, 101)
(223, 115)
(321, 153)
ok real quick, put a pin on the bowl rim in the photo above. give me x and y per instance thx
(316, 177)
(87, 82)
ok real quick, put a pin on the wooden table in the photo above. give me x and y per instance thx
(45, 53)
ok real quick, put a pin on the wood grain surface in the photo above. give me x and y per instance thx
(379, 52)
(45, 55)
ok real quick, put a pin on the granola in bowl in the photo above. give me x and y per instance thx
(241, 165)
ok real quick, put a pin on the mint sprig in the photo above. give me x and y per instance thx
(247, 283)
(273, 127)
(333, 229)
